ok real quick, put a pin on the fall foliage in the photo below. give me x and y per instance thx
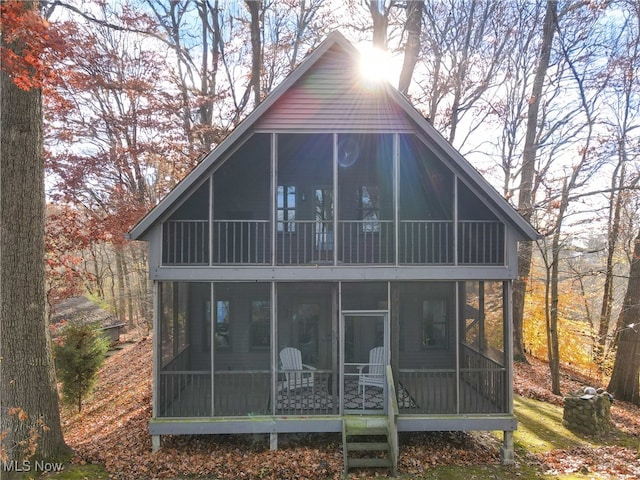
(112, 430)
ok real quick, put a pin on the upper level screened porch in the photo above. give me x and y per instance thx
(333, 199)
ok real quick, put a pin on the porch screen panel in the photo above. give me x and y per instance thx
(304, 199)
(426, 206)
(427, 362)
(184, 379)
(242, 349)
(481, 235)
(366, 208)
(185, 235)
(307, 379)
(482, 357)
(242, 200)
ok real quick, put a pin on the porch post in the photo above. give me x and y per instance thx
(396, 198)
(506, 452)
(274, 355)
(507, 302)
(336, 209)
(274, 199)
(507, 456)
(156, 350)
(456, 308)
(212, 342)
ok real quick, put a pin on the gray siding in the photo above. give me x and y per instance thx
(332, 97)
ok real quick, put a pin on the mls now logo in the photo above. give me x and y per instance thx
(28, 466)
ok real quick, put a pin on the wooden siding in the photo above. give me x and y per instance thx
(333, 96)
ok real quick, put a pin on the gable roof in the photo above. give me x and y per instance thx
(335, 42)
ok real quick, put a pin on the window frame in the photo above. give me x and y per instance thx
(286, 221)
(432, 308)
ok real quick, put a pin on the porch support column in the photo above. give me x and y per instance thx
(336, 209)
(507, 456)
(155, 403)
(274, 197)
(273, 441)
(155, 443)
(507, 312)
(396, 198)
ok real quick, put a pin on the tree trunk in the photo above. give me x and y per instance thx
(615, 208)
(27, 377)
(256, 49)
(412, 48)
(525, 198)
(380, 17)
(624, 378)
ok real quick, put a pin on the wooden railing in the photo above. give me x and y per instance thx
(185, 242)
(366, 241)
(487, 379)
(184, 393)
(242, 392)
(304, 242)
(241, 242)
(481, 242)
(392, 420)
(426, 242)
(427, 391)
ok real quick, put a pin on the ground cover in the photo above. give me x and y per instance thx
(111, 432)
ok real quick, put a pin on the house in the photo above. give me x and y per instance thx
(334, 265)
(82, 310)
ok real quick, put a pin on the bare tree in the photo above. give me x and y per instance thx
(413, 27)
(527, 173)
(254, 7)
(623, 102)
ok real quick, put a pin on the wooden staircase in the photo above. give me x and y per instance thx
(366, 443)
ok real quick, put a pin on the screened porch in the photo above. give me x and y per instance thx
(379, 199)
(220, 355)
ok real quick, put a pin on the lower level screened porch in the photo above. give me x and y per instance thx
(233, 350)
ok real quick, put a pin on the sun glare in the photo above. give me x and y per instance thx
(376, 65)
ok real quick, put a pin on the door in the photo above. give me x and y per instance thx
(365, 356)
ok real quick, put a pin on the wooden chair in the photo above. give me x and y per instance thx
(297, 374)
(374, 376)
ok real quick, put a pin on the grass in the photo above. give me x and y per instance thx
(75, 472)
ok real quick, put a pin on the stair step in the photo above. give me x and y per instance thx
(367, 446)
(369, 462)
(369, 431)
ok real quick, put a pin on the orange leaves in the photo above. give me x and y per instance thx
(28, 42)
(18, 412)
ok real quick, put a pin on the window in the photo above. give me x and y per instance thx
(286, 208)
(260, 332)
(222, 324)
(323, 199)
(305, 325)
(369, 208)
(434, 323)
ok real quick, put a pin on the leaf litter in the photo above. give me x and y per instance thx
(112, 430)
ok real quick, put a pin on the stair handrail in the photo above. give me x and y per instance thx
(392, 419)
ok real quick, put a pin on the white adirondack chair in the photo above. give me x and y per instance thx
(297, 374)
(374, 375)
